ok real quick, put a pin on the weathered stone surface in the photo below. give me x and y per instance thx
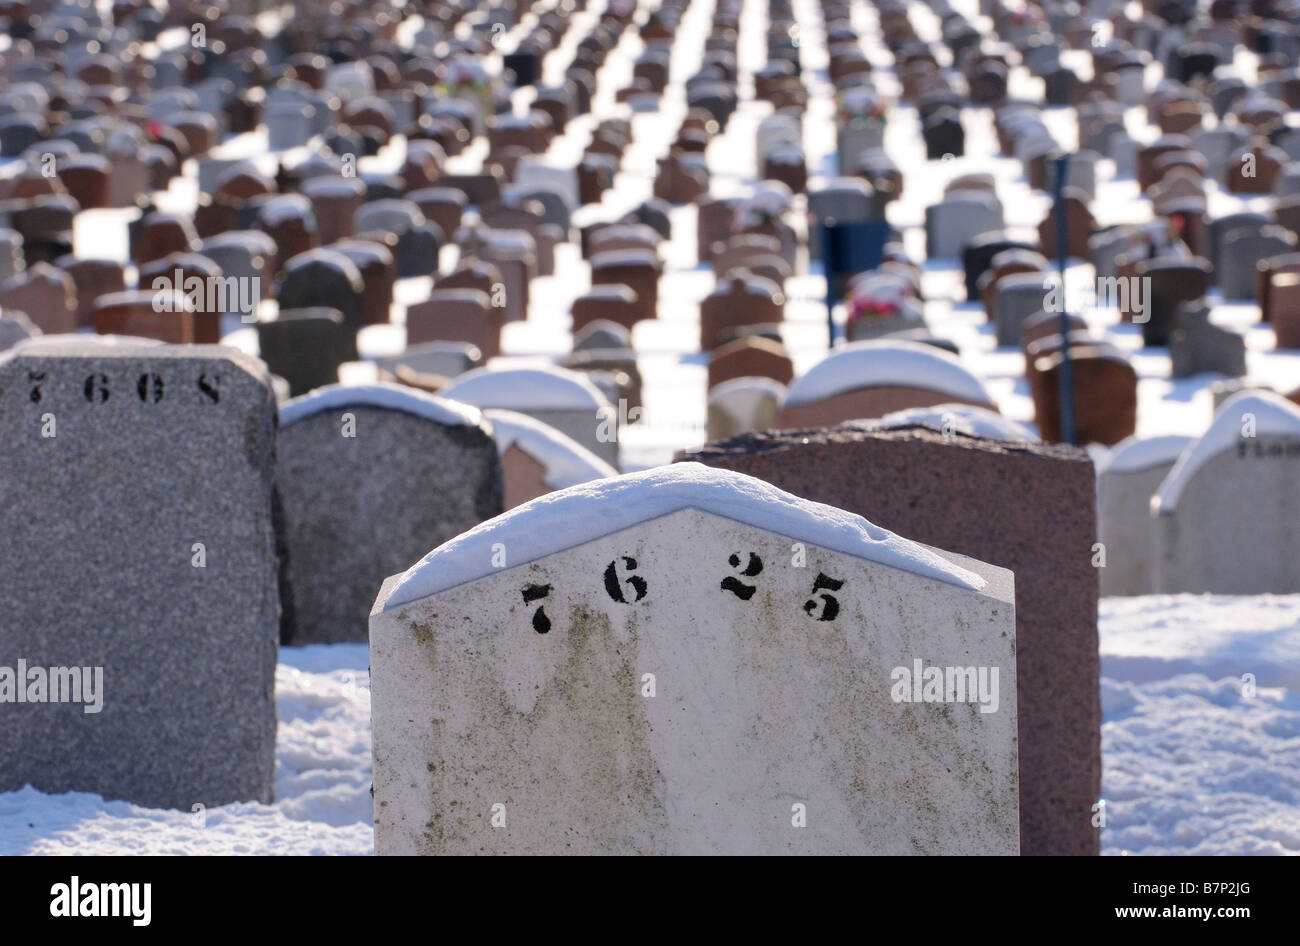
(141, 542)
(517, 693)
(1228, 514)
(369, 478)
(1026, 507)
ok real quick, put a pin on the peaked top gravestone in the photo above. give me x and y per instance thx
(1228, 513)
(160, 603)
(1028, 507)
(647, 672)
(536, 458)
(1126, 481)
(870, 379)
(368, 477)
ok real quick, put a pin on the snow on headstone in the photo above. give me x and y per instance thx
(537, 459)
(138, 650)
(1127, 480)
(687, 660)
(369, 478)
(1228, 514)
(871, 379)
(558, 397)
(955, 418)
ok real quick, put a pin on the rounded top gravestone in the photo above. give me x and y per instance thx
(367, 477)
(870, 379)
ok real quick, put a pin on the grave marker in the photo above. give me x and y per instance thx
(512, 706)
(166, 587)
(366, 477)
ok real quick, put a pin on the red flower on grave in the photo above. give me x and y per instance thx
(871, 308)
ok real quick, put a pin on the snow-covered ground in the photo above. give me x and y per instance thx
(1192, 764)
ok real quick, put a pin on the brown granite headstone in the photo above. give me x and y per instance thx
(48, 296)
(739, 300)
(1026, 507)
(750, 357)
(612, 302)
(134, 313)
(93, 278)
(1105, 395)
(456, 315)
(1265, 271)
(638, 269)
(1284, 299)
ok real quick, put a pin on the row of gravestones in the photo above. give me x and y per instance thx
(211, 525)
(1216, 513)
(303, 522)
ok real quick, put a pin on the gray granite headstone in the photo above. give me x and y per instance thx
(1241, 252)
(957, 220)
(136, 505)
(370, 478)
(1125, 484)
(1017, 297)
(1198, 346)
(1227, 517)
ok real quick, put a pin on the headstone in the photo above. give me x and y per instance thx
(306, 347)
(479, 717)
(954, 222)
(1104, 393)
(1198, 346)
(752, 356)
(602, 333)
(743, 404)
(456, 315)
(446, 359)
(1016, 298)
(1131, 475)
(367, 477)
(871, 379)
(48, 296)
(946, 489)
(737, 301)
(1242, 251)
(563, 399)
(322, 278)
(1226, 516)
(537, 459)
(165, 593)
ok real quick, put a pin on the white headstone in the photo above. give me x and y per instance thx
(1228, 513)
(690, 661)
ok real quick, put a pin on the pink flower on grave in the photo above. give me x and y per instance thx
(465, 72)
(859, 103)
(876, 297)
